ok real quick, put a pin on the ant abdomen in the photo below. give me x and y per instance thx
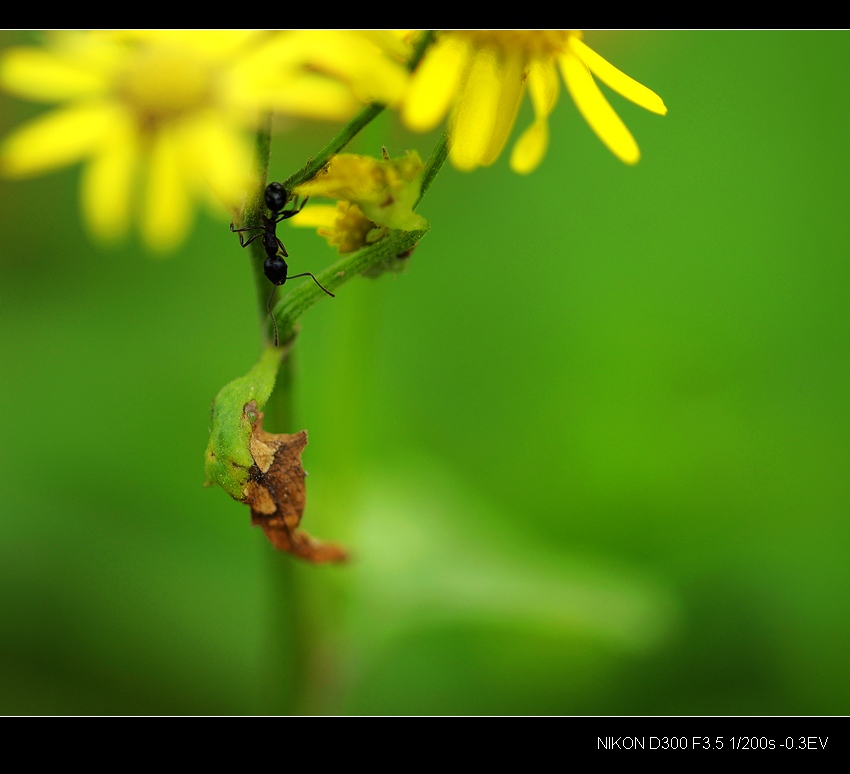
(276, 270)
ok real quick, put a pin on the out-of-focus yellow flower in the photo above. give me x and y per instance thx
(164, 119)
(481, 76)
(375, 195)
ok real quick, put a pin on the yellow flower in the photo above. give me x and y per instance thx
(481, 76)
(385, 189)
(164, 119)
(375, 195)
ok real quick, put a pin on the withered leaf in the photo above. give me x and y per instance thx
(277, 496)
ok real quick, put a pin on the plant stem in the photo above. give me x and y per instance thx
(289, 668)
(287, 656)
(433, 165)
(254, 209)
(420, 48)
(345, 135)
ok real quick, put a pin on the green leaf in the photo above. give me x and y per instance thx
(228, 456)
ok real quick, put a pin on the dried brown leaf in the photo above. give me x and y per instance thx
(277, 495)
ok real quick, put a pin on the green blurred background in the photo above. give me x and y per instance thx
(590, 451)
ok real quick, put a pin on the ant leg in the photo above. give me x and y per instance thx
(289, 213)
(307, 274)
(250, 228)
(281, 246)
(248, 242)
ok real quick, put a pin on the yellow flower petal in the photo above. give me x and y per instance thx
(373, 76)
(107, 182)
(304, 94)
(512, 88)
(316, 215)
(273, 77)
(44, 76)
(531, 147)
(475, 117)
(543, 86)
(350, 57)
(220, 155)
(434, 84)
(58, 138)
(348, 176)
(393, 42)
(167, 211)
(617, 80)
(211, 45)
(595, 109)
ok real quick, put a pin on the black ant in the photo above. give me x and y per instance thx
(275, 268)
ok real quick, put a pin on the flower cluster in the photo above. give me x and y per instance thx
(163, 119)
(374, 195)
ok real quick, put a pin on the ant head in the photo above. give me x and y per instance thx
(275, 268)
(276, 197)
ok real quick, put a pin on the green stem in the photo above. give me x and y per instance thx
(345, 135)
(280, 408)
(290, 670)
(432, 167)
(419, 49)
(288, 653)
(254, 210)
